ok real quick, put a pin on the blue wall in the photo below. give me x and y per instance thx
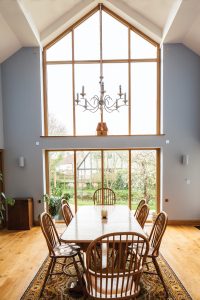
(22, 123)
(181, 99)
(21, 76)
(1, 115)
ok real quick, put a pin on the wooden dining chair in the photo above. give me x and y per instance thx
(57, 250)
(142, 215)
(155, 239)
(108, 275)
(64, 201)
(67, 213)
(104, 196)
(142, 202)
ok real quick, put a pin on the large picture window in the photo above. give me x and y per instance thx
(130, 59)
(133, 174)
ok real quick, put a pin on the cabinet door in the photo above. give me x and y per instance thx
(20, 215)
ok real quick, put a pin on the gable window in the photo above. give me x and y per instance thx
(129, 58)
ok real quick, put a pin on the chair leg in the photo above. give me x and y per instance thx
(52, 266)
(80, 279)
(81, 260)
(77, 270)
(46, 277)
(160, 274)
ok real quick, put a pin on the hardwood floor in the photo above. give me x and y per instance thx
(22, 253)
(181, 249)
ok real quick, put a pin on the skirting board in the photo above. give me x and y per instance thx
(184, 222)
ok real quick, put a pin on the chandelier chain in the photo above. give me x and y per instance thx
(101, 102)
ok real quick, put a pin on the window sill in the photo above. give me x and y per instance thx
(100, 136)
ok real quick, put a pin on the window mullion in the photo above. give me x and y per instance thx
(73, 86)
(129, 81)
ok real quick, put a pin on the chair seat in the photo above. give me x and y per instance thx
(75, 246)
(99, 291)
(65, 250)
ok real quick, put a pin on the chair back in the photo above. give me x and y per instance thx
(157, 232)
(142, 202)
(142, 215)
(114, 264)
(67, 213)
(104, 196)
(50, 232)
(64, 201)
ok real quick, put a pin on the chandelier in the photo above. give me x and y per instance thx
(103, 101)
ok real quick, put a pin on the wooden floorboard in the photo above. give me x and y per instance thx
(181, 249)
(22, 253)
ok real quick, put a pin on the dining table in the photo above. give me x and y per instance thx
(88, 223)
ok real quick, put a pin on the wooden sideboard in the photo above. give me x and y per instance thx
(20, 215)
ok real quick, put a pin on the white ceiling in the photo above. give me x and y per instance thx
(25, 23)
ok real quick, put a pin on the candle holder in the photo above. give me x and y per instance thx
(104, 214)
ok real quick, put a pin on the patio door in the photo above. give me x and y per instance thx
(133, 174)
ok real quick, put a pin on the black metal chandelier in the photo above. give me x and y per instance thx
(101, 102)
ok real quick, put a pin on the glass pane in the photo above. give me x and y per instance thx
(143, 98)
(61, 178)
(88, 170)
(143, 177)
(61, 50)
(141, 48)
(115, 38)
(87, 76)
(115, 75)
(86, 39)
(59, 95)
(116, 174)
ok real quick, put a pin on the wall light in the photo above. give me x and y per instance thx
(185, 159)
(21, 162)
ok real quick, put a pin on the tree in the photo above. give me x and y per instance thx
(54, 127)
(144, 174)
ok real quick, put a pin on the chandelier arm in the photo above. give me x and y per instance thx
(95, 98)
(93, 110)
(107, 100)
(109, 110)
(90, 105)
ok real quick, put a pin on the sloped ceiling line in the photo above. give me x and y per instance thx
(30, 23)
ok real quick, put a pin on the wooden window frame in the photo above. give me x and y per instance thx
(102, 170)
(73, 62)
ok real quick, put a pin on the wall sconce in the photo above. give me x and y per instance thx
(21, 162)
(185, 159)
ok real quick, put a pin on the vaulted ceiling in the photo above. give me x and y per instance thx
(26, 23)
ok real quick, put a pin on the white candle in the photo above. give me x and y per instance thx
(104, 213)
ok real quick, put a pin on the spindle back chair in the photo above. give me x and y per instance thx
(108, 273)
(104, 196)
(142, 215)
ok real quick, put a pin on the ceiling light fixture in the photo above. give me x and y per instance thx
(101, 102)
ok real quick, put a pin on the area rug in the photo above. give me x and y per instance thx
(151, 287)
